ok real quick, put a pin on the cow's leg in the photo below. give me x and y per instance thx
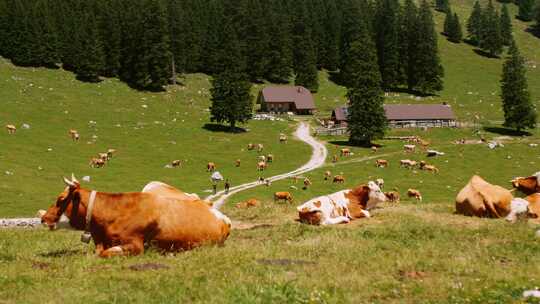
(336, 220)
(134, 247)
(99, 248)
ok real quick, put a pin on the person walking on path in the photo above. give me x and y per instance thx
(227, 186)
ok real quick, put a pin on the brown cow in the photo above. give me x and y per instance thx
(73, 134)
(426, 167)
(327, 175)
(162, 189)
(339, 179)
(11, 129)
(120, 223)
(261, 166)
(527, 185)
(211, 167)
(381, 163)
(97, 162)
(392, 196)
(103, 156)
(414, 193)
(307, 183)
(248, 204)
(250, 146)
(237, 163)
(176, 163)
(286, 196)
(482, 199)
(110, 153)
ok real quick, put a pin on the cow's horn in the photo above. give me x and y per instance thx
(68, 182)
(73, 179)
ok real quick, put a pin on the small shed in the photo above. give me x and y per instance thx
(282, 99)
(408, 115)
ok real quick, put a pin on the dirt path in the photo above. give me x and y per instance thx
(317, 160)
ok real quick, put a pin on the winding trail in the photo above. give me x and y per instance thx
(317, 160)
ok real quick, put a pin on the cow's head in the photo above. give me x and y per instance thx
(368, 196)
(64, 203)
(527, 185)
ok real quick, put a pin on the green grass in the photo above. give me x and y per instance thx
(407, 253)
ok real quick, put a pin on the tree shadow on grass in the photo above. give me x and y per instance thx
(506, 131)
(485, 54)
(346, 143)
(533, 31)
(410, 92)
(222, 128)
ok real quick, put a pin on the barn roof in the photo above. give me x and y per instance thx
(407, 112)
(418, 111)
(301, 96)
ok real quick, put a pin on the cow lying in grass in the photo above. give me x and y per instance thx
(342, 206)
(121, 223)
(527, 185)
(482, 199)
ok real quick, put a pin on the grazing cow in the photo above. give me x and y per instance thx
(380, 182)
(110, 153)
(211, 167)
(392, 196)
(11, 129)
(414, 193)
(342, 206)
(248, 204)
(381, 163)
(250, 146)
(426, 167)
(97, 162)
(482, 199)
(527, 185)
(407, 163)
(120, 223)
(162, 189)
(373, 149)
(261, 166)
(338, 179)
(282, 138)
(103, 156)
(176, 163)
(237, 163)
(261, 158)
(260, 148)
(345, 152)
(327, 175)
(409, 148)
(270, 158)
(307, 183)
(73, 134)
(283, 196)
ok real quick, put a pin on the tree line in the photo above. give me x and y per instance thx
(146, 43)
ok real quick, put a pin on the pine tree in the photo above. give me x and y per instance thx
(506, 25)
(448, 19)
(351, 27)
(474, 24)
(110, 34)
(428, 69)
(387, 40)
(305, 61)
(333, 32)
(89, 58)
(156, 38)
(442, 5)
(231, 99)
(408, 41)
(491, 40)
(519, 111)
(526, 10)
(366, 116)
(455, 34)
(279, 51)
(537, 18)
(257, 39)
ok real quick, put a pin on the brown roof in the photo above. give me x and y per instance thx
(418, 111)
(408, 112)
(301, 96)
(341, 113)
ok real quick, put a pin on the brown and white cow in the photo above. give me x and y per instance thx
(415, 194)
(270, 158)
(327, 175)
(342, 206)
(211, 167)
(482, 199)
(409, 148)
(261, 166)
(250, 146)
(176, 163)
(339, 179)
(162, 189)
(97, 162)
(345, 152)
(111, 152)
(381, 163)
(237, 163)
(74, 134)
(11, 129)
(392, 196)
(424, 166)
(527, 185)
(282, 138)
(120, 223)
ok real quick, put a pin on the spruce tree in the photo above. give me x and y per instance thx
(333, 32)
(408, 41)
(526, 10)
(257, 41)
(455, 34)
(156, 38)
(491, 40)
(442, 5)
(305, 61)
(110, 34)
(428, 69)
(475, 24)
(506, 25)
(89, 59)
(279, 51)
(387, 41)
(231, 99)
(366, 116)
(447, 21)
(537, 18)
(519, 111)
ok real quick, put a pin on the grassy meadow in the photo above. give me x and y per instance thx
(411, 252)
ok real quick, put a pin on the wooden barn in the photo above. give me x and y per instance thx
(408, 115)
(282, 99)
